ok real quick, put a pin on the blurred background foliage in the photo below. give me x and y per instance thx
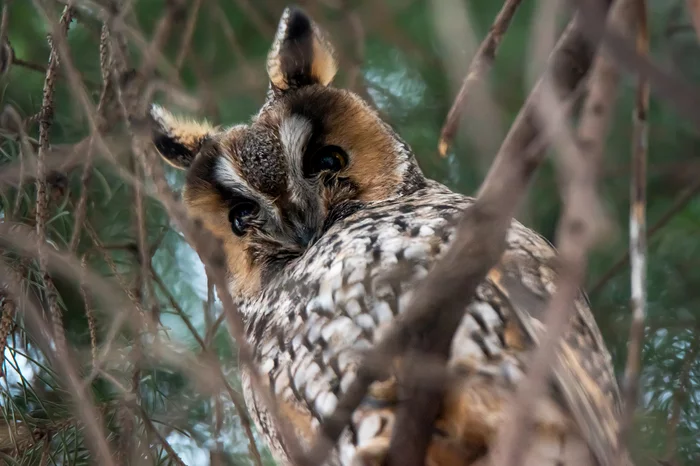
(408, 57)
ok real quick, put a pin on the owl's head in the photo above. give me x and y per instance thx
(312, 155)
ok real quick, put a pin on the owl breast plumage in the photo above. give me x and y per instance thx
(327, 224)
(311, 323)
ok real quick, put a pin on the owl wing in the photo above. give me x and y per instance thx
(310, 329)
(583, 377)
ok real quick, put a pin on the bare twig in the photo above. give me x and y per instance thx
(264, 28)
(172, 454)
(81, 209)
(211, 331)
(42, 195)
(144, 256)
(46, 451)
(134, 392)
(89, 313)
(131, 103)
(239, 406)
(7, 324)
(74, 80)
(94, 237)
(544, 34)
(236, 400)
(680, 203)
(187, 36)
(29, 65)
(26, 151)
(694, 10)
(676, 90)
(482, 118)
(8, 60)
(181, 312)
(221, 375)
(41, 69)
(77, 85)
(208, 249)
(218, 15)
(637, 248)
(479, 66)
(174, 12)
(216, 455)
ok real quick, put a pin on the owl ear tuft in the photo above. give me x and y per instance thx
(300, 55)
(177, 140)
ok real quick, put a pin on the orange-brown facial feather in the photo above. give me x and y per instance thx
(376, 165)
(376, 170)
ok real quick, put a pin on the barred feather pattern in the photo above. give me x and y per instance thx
(311, 322)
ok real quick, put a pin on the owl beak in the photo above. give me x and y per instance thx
(302, 222)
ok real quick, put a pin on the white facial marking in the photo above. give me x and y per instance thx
(295, 132)
(227, 174)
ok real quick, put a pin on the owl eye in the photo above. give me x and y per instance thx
(329, 158)
(240, 215)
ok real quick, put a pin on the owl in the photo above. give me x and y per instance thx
(327, 223)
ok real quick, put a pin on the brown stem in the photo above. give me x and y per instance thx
(86, 177)
(7, 324)
(42, 187)
(694, 10)
(481, 63)
(187, 36)
(676, 207)
(89, 313)
(638, 234)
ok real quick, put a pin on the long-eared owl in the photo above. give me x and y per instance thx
(319, 204)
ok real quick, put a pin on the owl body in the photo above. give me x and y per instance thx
(327, 224)
(327, 307)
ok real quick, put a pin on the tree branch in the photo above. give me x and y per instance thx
(637, 248)
(482, 61)
(42, 194)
